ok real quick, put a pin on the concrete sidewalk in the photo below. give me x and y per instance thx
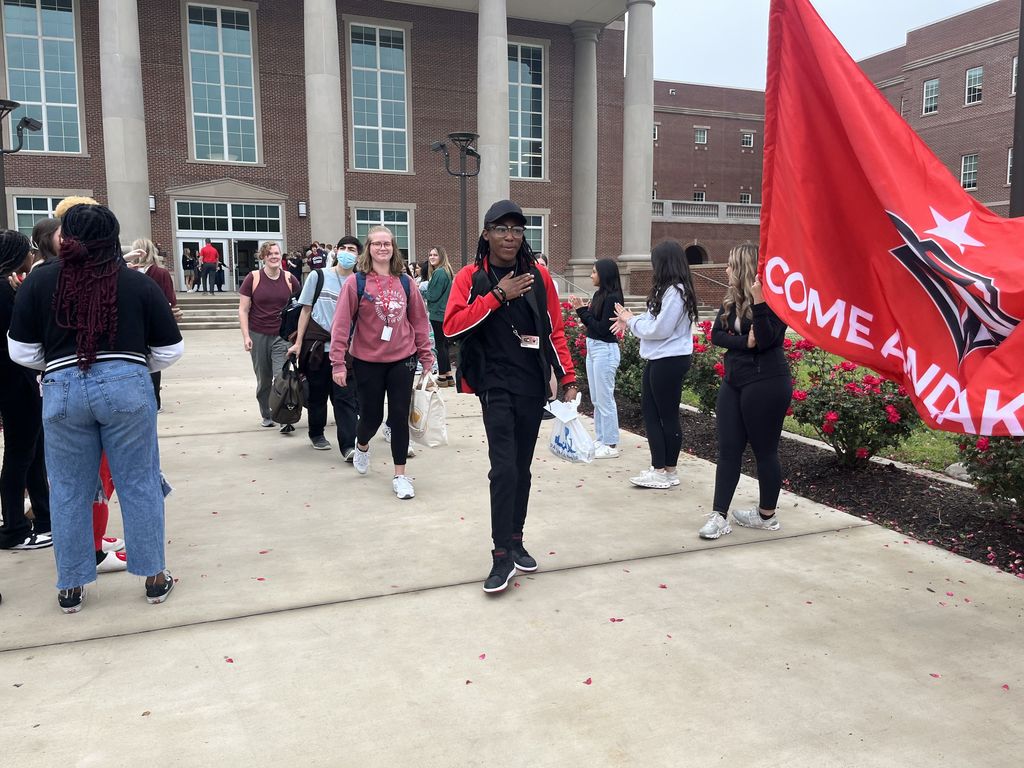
(319, 621)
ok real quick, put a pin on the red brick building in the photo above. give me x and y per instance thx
(294, 120)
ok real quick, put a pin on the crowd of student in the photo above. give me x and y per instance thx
(101, 326)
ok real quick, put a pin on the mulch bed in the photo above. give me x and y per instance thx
(949, 516)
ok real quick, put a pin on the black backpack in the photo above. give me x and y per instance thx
(290, 314)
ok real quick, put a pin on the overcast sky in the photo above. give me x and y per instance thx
(725, 42)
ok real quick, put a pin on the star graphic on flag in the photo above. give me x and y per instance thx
(953, 230)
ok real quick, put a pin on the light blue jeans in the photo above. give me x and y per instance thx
(602, 364)
(111, 408)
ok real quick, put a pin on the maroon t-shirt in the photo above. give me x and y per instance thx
(270, 298)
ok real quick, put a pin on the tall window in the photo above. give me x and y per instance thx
(379, 110)
(973, 88)
(746, 139)
(969, 171)
(29, 210)
(535, 232)
(525, 111)
(931, 97)
(1013, 78)
(1009, 166)
(223, 88)
(700, 135)
(745, 198)
(396, 221)
(698, 197)
(42, 71)
(656, 131)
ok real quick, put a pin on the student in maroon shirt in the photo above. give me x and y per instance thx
(144, 258)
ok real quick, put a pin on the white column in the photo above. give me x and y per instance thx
(584, 151)
(638, 127)
(124, 118)
(325, 143)
(492, 104)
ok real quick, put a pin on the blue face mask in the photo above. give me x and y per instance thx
(346, 259)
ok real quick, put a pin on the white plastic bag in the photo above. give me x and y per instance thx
(569, 438)
(428, 416)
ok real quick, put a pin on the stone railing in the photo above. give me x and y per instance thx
(688, 210)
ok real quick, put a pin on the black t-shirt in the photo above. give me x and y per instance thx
(510, 366)
(144, 319)
(10, 372)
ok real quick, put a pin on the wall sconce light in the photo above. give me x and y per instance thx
(152, 203)
(302, 209)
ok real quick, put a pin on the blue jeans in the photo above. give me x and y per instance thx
(602, 364)
(111, 408)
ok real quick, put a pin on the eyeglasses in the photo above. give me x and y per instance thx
(501, 229)
(385, 244)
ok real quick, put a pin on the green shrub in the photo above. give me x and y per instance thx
(996, 466)
(704, 378)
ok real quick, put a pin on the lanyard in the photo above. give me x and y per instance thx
(376, 285)
(507, 314)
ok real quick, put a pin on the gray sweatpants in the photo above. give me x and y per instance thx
(268, 354)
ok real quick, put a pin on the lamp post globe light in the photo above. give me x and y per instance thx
(6, 107)
(463, 140)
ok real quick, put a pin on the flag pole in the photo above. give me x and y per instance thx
(1017, 173)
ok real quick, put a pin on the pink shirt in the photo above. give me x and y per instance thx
(383, 305)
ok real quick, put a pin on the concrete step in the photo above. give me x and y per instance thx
(204, 325)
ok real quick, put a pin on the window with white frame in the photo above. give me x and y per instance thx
(42, 71)
(969, 171)
(700, 135)
(746, 198)
(255, 217)
(972, 94)
(1009, 166)
(535, 232)
(379, 105)
(656, 131)
(222, 83)
(526, 111)
(398, 221)
(747, 139)
(698, 197)
(29, 210)
(1013, 78)
(930, 103)
(202, 216)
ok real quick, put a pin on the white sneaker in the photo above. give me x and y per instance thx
(603, 451)
(410, 452)
(673, 478)
(651, 479)
(403, 487)
(112, 561)
(716, 525)
(385, 432)
(111, 544)
(361, 460)
(751, 518)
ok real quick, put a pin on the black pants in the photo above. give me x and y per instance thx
(344, 400)
(209, 276)
(24, 464)
(375, 380)
(512, 423)
(752, 413)
(444, 365)
(156, 387)
(661, 391)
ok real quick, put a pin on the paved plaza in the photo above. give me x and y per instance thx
(319, 621)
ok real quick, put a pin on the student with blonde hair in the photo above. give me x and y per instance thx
(144, 258)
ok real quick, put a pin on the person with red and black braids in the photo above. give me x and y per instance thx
(97, 328)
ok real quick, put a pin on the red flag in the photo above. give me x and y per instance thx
(871, 248)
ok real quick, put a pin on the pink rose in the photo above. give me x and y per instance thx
(828, 428)
(862, 453)
(720, 370)
(799, 394)
(832, 416)
(848, 366)
(981, 444)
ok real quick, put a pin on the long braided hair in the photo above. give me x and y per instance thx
(14, 247)
(86, 297)
(525, 257)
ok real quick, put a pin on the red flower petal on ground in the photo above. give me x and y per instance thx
(551, 553)
(616, 621)
(588, 681)
(1005, 687)
(229, 660)
(469, 682)
(663, 586)
(949, 594)
(264, 551)
(934, 674)
(483, 656)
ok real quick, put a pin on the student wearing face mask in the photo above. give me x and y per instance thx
(319, 300)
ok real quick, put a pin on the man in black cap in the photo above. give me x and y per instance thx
(504, 309)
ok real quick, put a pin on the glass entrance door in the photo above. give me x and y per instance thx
(223, 248)
(245, 259)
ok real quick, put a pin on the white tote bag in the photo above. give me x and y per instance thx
(428, 416)
(569, 438)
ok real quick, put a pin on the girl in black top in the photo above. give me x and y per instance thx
(602, 353)
(753, 398)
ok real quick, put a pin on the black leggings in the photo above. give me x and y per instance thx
(752, 413)
(374, 381)
(661, 392)
(24, 465)
(444, 366)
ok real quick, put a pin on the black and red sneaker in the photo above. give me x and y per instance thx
(523, 560)
(502, 571)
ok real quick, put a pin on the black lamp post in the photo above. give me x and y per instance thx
(462, 140)
(6, 107)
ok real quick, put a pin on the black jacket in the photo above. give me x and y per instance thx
(600, 328)
(744, 364)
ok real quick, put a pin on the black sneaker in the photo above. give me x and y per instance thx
(320, 443)
(523, 560)
(35, 541)
(501, 572)
(70, 600)
(157, 592)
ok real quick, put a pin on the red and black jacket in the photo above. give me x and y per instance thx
(471, 304)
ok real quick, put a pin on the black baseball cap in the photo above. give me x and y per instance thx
(503, 209)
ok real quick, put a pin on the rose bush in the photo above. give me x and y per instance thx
(576, 339)
(857, 413)
(996, 467)
(706, 369)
